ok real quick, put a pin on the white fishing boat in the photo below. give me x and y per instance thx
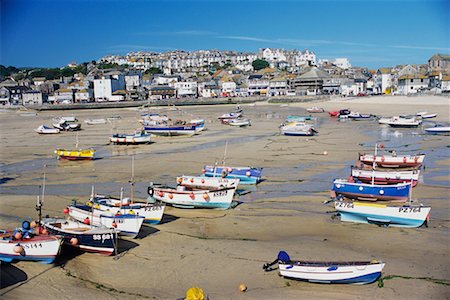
(186, 198)
(46, 130)
(95, 121)
(125, 224)
(43, 248)
(438, 130)
(409, 215)
(202, 182)
(298, 129)
(315, 109)
(401, 122)
(226, 118)
(67, 126)
(393, 161)
(426, 115)
(386, 177)
(66, 119)
(240, 122)
(139, 137)
(351, 272)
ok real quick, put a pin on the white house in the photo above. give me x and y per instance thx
(4, 96)
(257, 85)
(445, 84)
(132, 81)
(228, 88)
(348, 88)
(186, 89)
(384, 80)
(208, 89)
(61, 95)
(342, 63)
(84, 95)
(411, 84)
(32, 98)
(278, 86)
(167, 80)
(106, 86)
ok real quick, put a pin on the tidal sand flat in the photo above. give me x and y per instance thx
(218, 250)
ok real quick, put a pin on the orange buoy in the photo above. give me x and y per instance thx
(18, 235)
(192, 195)
(66, 210)
(74, 241)
(242, 287)
(33, 224)
(170, 196)
(192, 180)
(203, 171)
(44, 231)
(18, 249)
(161, 194)
(87, 221)
(180, 180)
(203, 180)
(205, 196)
(114, 224)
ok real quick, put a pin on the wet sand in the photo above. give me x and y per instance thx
(218, 250)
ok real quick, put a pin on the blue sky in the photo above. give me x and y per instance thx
(373, 33)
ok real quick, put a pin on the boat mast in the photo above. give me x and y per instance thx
(40, 201)
(132, 180)
(373, 164)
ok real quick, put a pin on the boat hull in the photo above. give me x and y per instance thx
(128, 225)
(152, 213)
(246, 175)
(41, 248)
(363, 191)
(218, 199)
(388, 161)
(171, 130)
(88, 238)
(130, 139)
(386, 177)
(332, 273)
(88, 154)
(200, 182)
(394, 216)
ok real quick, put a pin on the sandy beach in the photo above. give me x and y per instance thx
(218, 250)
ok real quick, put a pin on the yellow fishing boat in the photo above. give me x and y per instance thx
(80, 154)
(75, 154)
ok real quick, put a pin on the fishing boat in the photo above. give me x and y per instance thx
(246, 175)
(438, 130)
(200, 182)
(176, 129)
(315, 109)
(226, 118)
(371, 192)
(393, 161)
(353, 272)
(400, 122)
(66, 119)
(426, 115)
(338, 113)
(409, 216)
(95, 121)
(298, 129)
(14, 246)
(152, 212)
(139, 137)
(46, 130)
(199, 124)
(386, 177)
(85, 237)
(75, 154)
(125, 224)
(190, 198)
(240, 122)
(67, 126)
(294, 118)
(358, 116)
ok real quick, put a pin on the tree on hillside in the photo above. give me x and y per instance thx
(153, 70)
(259, 64)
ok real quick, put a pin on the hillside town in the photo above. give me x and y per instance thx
(215, 74)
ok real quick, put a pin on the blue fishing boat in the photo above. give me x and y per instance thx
(173, 130)
(247, 175)
(372, 192)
